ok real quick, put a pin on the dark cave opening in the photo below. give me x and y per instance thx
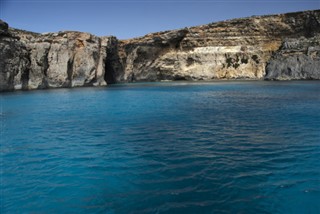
(110, 71)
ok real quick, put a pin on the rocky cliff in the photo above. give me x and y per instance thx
(285, 46)
(52, 60)
(14, 61)
(296, 59)
(234, 49)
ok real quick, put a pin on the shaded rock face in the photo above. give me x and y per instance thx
(279, 47)
(65, 59)
(51, 60)
(296, 59)
(14, 61)
(113, 63)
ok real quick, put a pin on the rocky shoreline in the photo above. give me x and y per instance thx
(272, 47)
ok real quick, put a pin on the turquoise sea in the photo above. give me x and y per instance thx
(218, 147)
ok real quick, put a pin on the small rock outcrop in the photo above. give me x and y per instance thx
(296, 59)
(273, 47)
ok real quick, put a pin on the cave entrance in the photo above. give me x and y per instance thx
(109, 76)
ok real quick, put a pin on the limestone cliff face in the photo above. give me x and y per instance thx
(14, 61)
(64, 59)
(280, 47)
(51, 60)
(296, 59)
(235, 49)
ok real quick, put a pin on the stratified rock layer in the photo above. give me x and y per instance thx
(276, 47)
(235, 49)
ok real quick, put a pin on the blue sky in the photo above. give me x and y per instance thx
(127, 19)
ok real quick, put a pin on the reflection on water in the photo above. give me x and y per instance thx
(225, 147)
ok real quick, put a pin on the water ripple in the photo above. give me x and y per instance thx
(221, 147)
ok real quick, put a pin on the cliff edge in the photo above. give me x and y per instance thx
(272, 47)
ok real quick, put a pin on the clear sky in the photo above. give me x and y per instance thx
(127, 19)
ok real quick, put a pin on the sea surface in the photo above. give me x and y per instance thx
(215, 147)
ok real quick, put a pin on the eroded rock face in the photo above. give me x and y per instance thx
(65, 59)
(278, 47)
(14, 61)
(235, 49)
(296, 59)
(52, 60)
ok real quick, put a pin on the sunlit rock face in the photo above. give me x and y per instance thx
(234, 49)
(274, 47)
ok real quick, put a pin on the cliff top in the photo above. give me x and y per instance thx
(226, 23)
